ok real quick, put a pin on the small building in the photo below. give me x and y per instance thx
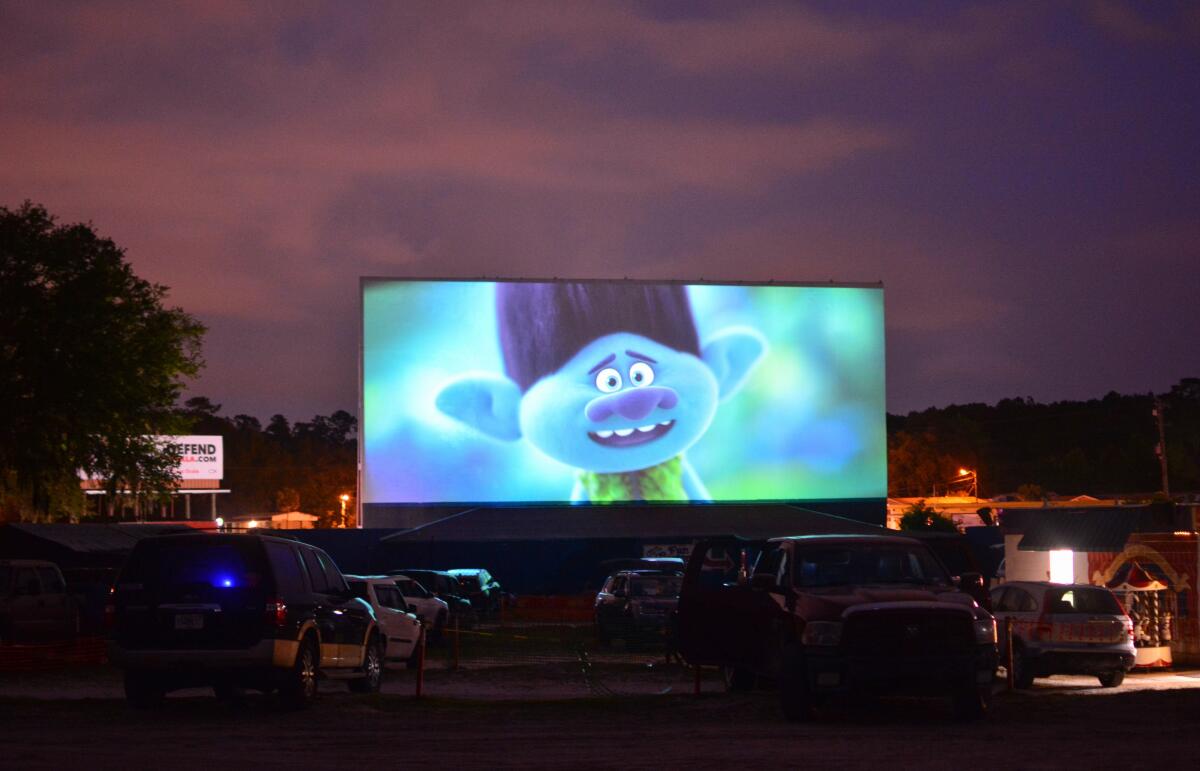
(1148, 555)
(280, 520)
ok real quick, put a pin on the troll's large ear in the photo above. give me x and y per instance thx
(487, 403)
(732, 354)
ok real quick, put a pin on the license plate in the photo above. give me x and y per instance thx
(189, 621)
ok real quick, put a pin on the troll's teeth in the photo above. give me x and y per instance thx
(604, 434)
(644, 429)
(624, 431)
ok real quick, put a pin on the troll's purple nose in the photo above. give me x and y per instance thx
(631, 404)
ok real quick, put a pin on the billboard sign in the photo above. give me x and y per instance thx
(200, 457)
(621, 391)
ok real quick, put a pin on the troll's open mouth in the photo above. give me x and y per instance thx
(628, 437)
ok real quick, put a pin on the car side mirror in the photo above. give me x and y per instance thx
(763, 581)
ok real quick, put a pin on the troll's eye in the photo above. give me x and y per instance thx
(608, 380)
(641, 374)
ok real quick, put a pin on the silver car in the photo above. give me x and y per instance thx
(1070, 629)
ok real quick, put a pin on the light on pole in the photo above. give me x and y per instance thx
(965, 474)
(344, 498)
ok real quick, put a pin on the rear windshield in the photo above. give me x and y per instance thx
(655, 586)
(197, 563)
(851, 565)
(1076, 600)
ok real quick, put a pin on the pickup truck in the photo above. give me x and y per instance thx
(828, 614)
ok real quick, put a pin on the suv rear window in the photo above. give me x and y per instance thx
(286, 563)
(655, 586)
(1076, 600)
(200, 561)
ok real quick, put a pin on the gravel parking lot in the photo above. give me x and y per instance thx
(542, 716)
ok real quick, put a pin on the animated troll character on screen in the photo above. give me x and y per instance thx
(608, 378)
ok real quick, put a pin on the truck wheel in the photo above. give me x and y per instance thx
(737, 679)
(972, 700)
(371, 669)
(795, 697)
(141, 689)
(299, 688)
(1112, 679)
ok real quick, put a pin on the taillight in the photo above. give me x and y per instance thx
(1128, 627)
(276, 612)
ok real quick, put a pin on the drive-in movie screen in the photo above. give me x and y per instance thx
(621, 391)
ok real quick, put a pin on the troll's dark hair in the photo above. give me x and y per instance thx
(543, 325)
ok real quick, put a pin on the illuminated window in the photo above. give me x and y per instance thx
(1062, 566)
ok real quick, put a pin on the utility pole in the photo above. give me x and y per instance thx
(1161, 448)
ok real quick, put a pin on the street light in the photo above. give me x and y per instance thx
(344, 498)
(965, 474)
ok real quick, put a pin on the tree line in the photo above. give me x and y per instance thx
(303, 466)
(1102, 447)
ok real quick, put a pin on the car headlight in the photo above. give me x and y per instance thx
(985, 631)
(826, 633)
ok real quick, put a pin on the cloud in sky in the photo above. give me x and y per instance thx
(1009, 170)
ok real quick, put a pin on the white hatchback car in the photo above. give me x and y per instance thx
(1064, 629)
(402, 628)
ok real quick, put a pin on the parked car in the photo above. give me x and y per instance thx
(829, 614)
(955, 554)
(1064, 629)
(239, 611)
(34, 604)
(402, 629)
(433, 612)
(445, 587)
(481, 589)
(636, 605)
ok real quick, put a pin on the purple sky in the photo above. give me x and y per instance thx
(1023, 177)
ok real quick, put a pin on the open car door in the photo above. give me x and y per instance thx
(716, 604)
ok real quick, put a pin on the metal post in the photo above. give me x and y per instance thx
(1009, 676)
(455, 649)
(421, 664)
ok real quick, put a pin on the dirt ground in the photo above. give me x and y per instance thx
(549, 716)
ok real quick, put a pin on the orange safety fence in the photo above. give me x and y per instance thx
(61, 654)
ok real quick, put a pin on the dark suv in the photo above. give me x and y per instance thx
(481, 589)
(635, 605)
(239, 611)
(833, 614)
